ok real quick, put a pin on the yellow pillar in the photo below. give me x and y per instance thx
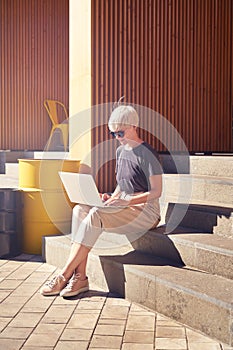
(80, 78)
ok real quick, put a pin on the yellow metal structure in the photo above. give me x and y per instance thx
(51, 107)
(46, 209)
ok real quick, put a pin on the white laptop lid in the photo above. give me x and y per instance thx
(81, 188)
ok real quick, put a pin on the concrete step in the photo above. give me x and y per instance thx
(219, 165)
(159, 284)
(203, 251)
(214, 165)
(203, 218)
(187, 188)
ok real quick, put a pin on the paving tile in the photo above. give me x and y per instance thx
(84, 321)
(46, 268)
(89, 304)
(119, 312)
(64, 301)
(4, 294)
(171, 344)
(11, 344)
(10, 284)
(204, 346)
(11, 265)
(33, 264)
(141, 323)
(133, 346)
(193, 336)
(110, 329)
(117, 302)
(87, 311)
(37, 303)
(9, 309)
(37, 277)
(42, 339)
(106, 341)
(21, 273)
(96, 294)
(26, 289)
(112, 321)
(16, 299)
(165, 321)
(170, 332)
(16, 332)
(37, 348)
(139, 337)
(4, 273)
(26, 319)
(64, 310)
(4, 321)
(138, 310)
(71, 345)
(58, 314)
(77, 334)
(55, 328)
(90, 348)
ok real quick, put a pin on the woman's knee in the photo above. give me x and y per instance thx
(94, 217)
(80, 209)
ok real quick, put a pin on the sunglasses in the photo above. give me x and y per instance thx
(120, 133)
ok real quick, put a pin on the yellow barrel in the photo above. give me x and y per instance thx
(43, 173)
(46, 209)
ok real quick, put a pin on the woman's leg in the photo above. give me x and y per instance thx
(86, 228)
(81, 269)
(76, 261)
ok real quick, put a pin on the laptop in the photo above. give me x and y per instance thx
(81, 188)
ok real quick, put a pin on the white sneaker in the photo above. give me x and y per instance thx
(75, 286)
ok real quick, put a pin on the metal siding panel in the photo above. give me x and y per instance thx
(34, 66)
(172, 56)
(183, 89)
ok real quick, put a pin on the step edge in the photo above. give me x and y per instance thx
(202, 296)
(203, 246)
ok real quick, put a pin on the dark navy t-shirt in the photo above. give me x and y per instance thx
(135, 166)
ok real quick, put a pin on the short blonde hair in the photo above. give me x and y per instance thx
(123, 116)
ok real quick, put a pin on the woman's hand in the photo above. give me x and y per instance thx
(104, 196)
(116, 202)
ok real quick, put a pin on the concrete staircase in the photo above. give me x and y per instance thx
(184, 268)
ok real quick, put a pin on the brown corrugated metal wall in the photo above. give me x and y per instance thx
(174, 56)
(34, 66)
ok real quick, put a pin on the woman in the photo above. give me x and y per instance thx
(139, 186)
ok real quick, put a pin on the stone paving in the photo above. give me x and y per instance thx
(94, 320)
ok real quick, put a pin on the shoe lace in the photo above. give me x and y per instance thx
(73, 280)
(55, 280)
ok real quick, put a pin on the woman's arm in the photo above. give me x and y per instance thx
(155, 192)
(107, 198)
